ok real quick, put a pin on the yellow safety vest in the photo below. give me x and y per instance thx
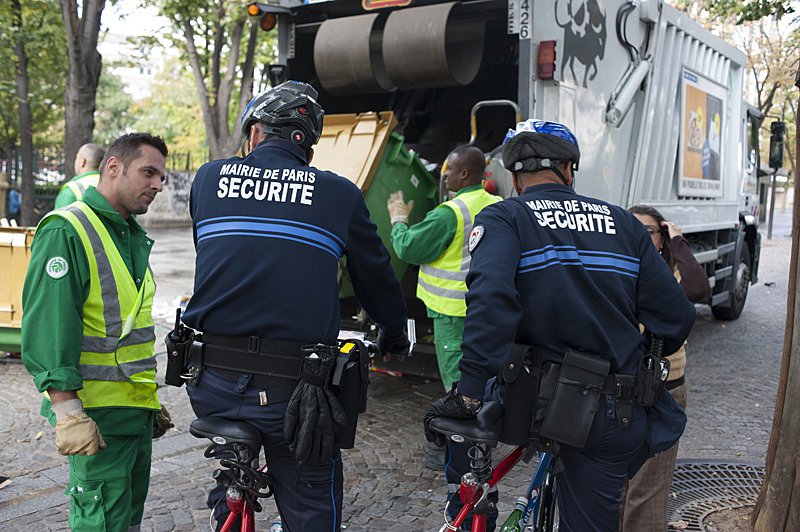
(79, 186)
(442, 283)
(117, 362)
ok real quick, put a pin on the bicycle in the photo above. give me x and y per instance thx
(481, 432)
(236, 444)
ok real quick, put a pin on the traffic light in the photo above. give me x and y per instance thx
(268, 20)
(777, 131)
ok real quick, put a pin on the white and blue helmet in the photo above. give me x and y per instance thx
(538, 145)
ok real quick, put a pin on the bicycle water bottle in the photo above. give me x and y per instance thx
(276, 526)
(512, 523)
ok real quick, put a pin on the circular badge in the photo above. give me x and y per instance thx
(475, 237)
(57, 267)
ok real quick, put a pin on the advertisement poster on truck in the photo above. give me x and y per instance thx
(701, 134)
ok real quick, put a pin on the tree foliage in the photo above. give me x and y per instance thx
(112, 116)
(43, 37)
(171, 111)
(219, 44)
(751, 10)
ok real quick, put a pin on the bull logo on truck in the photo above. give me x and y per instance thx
(584, 24)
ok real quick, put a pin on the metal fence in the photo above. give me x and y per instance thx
(48, 172)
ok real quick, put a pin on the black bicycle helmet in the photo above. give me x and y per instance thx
(537, 145)
(289, 111)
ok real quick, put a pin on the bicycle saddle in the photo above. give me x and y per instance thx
(222, 431)
(480, 429)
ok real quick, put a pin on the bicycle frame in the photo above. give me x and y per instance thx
(498, 473)
(475, 496)
(240, 504)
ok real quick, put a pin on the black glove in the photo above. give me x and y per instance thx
(313, 414)
(395, 343)
(451, 405)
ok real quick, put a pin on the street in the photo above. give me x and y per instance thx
(732, 371)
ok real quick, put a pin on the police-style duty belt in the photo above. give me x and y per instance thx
(556, 402)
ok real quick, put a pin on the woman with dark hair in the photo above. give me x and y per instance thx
(644, 501)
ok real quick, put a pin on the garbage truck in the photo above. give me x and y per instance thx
(655, 100)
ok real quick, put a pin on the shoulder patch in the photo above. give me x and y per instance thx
(57, 267)
(475, 237)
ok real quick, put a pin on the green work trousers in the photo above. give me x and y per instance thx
(447, 334)
(108, 490)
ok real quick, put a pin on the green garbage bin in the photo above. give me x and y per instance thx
(399, 169)
(365, 149)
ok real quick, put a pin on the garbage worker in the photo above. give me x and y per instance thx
(87, 163)
(574, 277)
(439, 244)
(270, 231)
(87, 335)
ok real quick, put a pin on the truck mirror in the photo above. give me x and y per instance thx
(777, 132)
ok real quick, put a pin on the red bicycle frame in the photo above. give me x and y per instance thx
(239, 505)
(474, 496)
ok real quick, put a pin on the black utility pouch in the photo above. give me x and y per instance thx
(349, 384)
(575, 399)
(520, 380)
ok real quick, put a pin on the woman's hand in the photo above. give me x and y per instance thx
(673, 229)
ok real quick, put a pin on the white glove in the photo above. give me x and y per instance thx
(76, 433)
(398, 208)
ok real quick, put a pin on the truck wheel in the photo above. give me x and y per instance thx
(738, 294)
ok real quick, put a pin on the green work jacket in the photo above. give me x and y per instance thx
(52, 321)
(75, 188)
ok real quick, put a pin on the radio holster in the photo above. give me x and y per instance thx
(652, 374)
(179, 343)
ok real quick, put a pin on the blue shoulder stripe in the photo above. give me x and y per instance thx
(278, 230)
(549, 255)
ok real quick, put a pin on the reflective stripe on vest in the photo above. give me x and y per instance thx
(79, 186)
(117, 361)
(442, 283)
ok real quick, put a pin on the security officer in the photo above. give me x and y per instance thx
(87, 335)
(87, 162)
(269, 232)
(569, 273)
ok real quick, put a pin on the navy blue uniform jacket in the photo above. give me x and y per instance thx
(559, 270)
(269, 232)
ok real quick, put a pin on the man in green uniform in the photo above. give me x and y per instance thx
(439, 243)
(87, 335)
(87, 162)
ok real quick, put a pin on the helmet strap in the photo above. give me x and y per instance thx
(559, 173)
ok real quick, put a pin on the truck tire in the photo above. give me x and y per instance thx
(738, 293)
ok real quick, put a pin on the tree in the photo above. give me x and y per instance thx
(778, 505)
(24, 111)
(212, 35)
(83, 74)
(172, 110)
(43, 34)
(112, 117)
